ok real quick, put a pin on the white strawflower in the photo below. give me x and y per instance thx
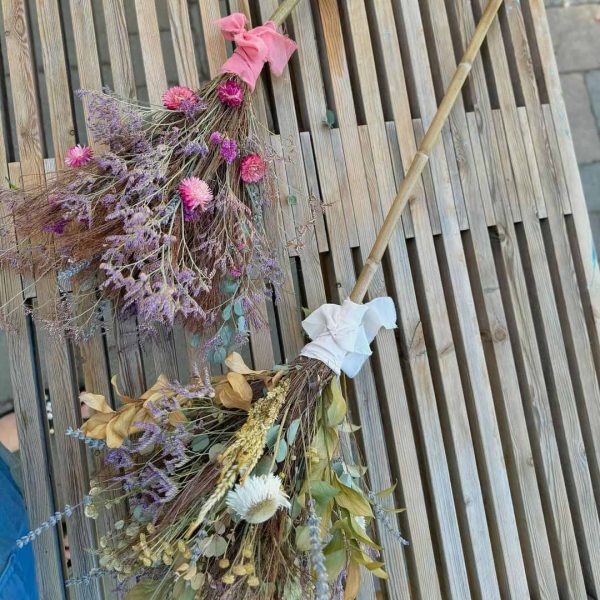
(258, 498)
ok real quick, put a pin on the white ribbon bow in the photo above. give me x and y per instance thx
(341, 334)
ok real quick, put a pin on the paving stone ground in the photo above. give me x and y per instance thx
(575, 27)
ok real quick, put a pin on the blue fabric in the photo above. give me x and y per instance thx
(17, 568)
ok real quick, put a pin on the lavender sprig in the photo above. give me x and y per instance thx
(317, 558)
(90, 442)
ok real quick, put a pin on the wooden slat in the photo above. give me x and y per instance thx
(479, 550)
(566, 289)
(511, 568)
(534, 390)
(494, 327)
(152, 55)
(181, 33)
(591, 275)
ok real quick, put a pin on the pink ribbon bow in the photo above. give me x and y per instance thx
(254, 48)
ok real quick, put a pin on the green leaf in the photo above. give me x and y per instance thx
(215, 450)
(334, 563)
(336, 411)
(213, 545)
(200, 442)
(348, 427)
(292, 200)
(241, 324)
(292, 589)
(322, 492)
(387, 492)
(144, 590)
(296, 508)
(263, 466)
(302, 538)
(271, 436)
(356, 471)
(292, 431)
(352, 500)
(238, 307)
(229, 286)
(225, 333)
(329, 119)
(195, 341)
(281, 452)
(226, 313)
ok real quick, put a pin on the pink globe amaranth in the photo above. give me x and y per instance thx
(77, 156)
(194, 193)
(252, 168)
(178, 94)
(230, 93)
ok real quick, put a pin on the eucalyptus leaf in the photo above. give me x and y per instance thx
(229, 286)
(225, 333)
(329, 119)
(241, 324)
(238, 307)
(219, 355)
(281, 452)
(200, 442)
(264, 465)
(271, 436)
(215, 450)
(226, 313)
(292, 431)
(213, 545)
(195, 341)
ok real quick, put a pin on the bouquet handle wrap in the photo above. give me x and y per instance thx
(254, 48)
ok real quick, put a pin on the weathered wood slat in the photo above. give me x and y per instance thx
(494, 328)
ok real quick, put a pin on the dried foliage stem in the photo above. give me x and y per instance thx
(423, 153)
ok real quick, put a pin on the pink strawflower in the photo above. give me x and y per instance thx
(194, 193)
(230, 93)
(177, 95)
(252, 168)
(77, 156)
(216, 137)
(229, 150)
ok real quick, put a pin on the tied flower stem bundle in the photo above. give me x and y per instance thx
(167, 220)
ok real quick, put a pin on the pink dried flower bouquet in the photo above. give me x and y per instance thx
(166, 222)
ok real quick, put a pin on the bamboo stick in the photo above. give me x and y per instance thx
(283, 11)
(423, 153)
